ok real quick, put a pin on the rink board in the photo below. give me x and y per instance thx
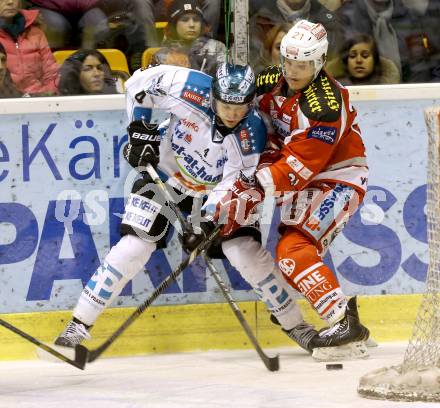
(62, 190)
(63, 184)
(167, 329)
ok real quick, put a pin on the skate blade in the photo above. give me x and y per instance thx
(44, 355)
(370, 342)
(352, 351)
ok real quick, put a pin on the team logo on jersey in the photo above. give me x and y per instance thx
(188, 138)
(326, 134)
(287, 266)
(245, 141)
(155, 86)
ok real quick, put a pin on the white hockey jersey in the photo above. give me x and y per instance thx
(195, 157)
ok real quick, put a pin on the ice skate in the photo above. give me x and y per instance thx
(304, 334)
(73, 334)
(345, 340)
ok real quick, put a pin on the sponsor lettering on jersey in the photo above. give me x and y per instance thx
(190, 167)
(181, 134)
(271, 78)
(329, 95)
(197, 89)
(282, 128)
(312, 98)
(326, 134)
(286, 118)
(321, 100)
(190, 125)
(329, 209)
(299, 167)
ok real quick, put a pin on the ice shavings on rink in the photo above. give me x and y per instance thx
(213, 379)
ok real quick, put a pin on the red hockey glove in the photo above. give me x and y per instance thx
(235, 209)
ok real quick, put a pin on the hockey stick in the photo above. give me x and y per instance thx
(271, 363)
(94, 354)
(80, 351)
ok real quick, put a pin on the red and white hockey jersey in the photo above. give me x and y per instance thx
(315, 131)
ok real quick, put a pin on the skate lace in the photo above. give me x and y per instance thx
(302, 334)
(76, 333)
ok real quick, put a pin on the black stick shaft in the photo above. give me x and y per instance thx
(271, 363)
(78, 363)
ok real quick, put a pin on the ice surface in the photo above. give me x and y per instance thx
(215, 379)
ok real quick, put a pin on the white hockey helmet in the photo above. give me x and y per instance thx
(305, 41)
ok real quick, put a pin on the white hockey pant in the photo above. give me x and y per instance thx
(257, 267)
(121, 264)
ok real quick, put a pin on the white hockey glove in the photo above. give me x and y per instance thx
(143, 144)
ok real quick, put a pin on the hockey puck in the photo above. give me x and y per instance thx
(334, 366)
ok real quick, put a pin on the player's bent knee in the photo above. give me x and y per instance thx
(296, 253)
(143, 214)
(248, 256)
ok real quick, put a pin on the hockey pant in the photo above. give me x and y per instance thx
(310, 222)
(142, 225)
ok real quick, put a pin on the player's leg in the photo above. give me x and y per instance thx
(141, 227)
(299, 256)
(257, 267)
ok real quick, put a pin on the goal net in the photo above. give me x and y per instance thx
(418, 377)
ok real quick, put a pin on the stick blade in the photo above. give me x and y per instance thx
(81, 356)
(273, 363)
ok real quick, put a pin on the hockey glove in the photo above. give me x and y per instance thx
(236, 208)
(143, 144)
(190, 240)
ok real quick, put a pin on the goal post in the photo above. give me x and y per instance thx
(418, 377)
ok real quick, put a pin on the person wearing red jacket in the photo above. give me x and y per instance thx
(29, 59)
(316, 165)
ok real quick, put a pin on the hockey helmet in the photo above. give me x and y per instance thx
(234, 84)
(305, 41)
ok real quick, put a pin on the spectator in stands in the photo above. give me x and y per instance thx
(362, 65)
(212, 12)
(187, 29)
(405, 31)
(265, 14)
(86, 72)
(417, 26)
(270, 52)
(72, 23)
(373, 17)
(131, 28)
(29, 59)
(7, 87)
